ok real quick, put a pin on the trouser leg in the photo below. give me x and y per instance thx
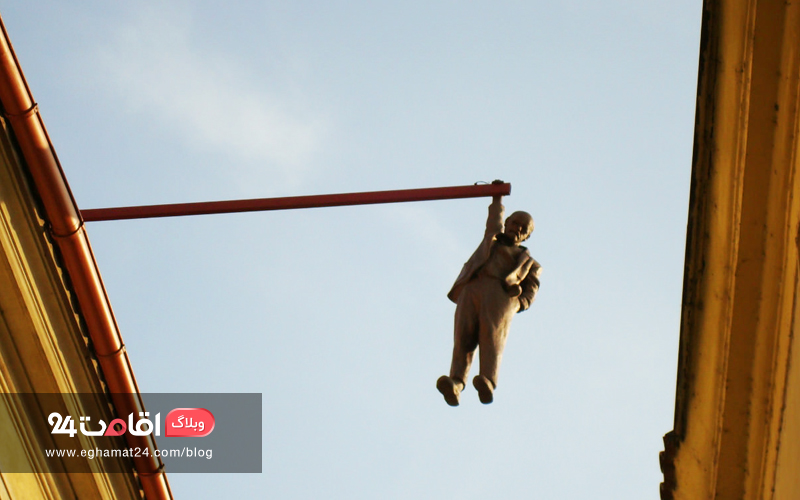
(466, 336)
(496, 311)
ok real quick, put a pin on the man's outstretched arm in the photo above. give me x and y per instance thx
(494, 222)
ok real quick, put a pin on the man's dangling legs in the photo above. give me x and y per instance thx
(495, 314)
(465, 342)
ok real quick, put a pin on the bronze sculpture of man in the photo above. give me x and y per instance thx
(499, 280)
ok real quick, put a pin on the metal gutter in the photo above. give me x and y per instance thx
(67, 230)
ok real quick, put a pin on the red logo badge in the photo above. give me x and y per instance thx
(189, 422)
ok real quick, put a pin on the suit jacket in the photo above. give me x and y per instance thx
(526, 273)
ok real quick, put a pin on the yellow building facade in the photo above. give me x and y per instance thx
(737, 414)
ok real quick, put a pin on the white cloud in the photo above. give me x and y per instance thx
(203, 96)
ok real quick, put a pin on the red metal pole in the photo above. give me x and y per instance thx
(291, 202)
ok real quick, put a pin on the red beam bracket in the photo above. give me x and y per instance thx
(293, 202)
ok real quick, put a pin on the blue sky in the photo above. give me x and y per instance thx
(339, 316)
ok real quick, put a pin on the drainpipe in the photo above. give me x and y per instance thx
(67, 230)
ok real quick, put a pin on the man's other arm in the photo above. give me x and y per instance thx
(530, 286)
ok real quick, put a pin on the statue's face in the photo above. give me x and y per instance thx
(519, 226)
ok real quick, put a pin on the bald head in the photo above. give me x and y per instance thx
(519, 226)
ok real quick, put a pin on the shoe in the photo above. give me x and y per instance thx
(449, 389)
(485, 389)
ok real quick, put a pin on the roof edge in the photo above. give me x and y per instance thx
(69, 234)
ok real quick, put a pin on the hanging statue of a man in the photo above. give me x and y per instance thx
(499, 280)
